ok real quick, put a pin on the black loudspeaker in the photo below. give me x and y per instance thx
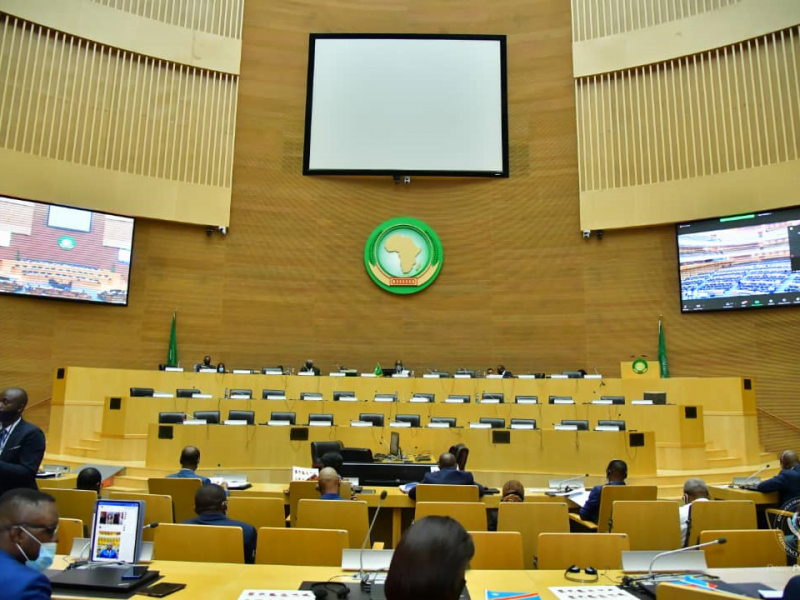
(748, 383)
(165, 432)
(114, 403)
(60, 374)
(636, 440)
(501, 437)
(298, 434)
(690, 412)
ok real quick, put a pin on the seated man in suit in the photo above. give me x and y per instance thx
(787, 481)
(190, 460)
(448, 474)
(616, 474)
(329, 484)
(694, 490)
(501, 370)
(89, 479)
(28, 524)
(206, 364)
(211, 506)
(21, 443)
(309, 367)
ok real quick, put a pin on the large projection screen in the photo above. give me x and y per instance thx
(386, 104)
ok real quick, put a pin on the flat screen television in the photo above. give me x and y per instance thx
(52, 251)
(406, 104)
(746, 261)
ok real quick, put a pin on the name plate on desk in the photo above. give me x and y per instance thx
(602, 402)
(306, 373)
(557, 376)
(522, 426)
(195, 422)
(202, 396)
(242, 372)
(528, 376)
(607, 428)
(174, 369)
(336, 374)
(311, 397)
(385, 398)
(480, 425)
(400, 375)
(494, 376)
(278, 423)
(565, 427)
(240, 397)
(462, 376)
(361, 423)
(276, 396)
(320, 424)
(235, 422)
(562, 401)
(399, 424)
(202, 370)
(489, 401)
(455, 401)
(593, 376)
(527, 400)
(368, 375)
(439, 425)
(347, 399)
(271, 371)
(163, 395)
(430, 376)
(642, 402)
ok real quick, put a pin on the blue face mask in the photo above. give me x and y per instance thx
(47, 552)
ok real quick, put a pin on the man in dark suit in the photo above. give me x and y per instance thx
(211, 506)
(309, 367)
(21, 443)
(501, 370)
(448, 474)
(787, 482)
(616, 474)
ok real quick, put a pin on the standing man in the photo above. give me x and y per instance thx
(21, 443)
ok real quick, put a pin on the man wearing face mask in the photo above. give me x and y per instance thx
(28, 538)
(21, 443)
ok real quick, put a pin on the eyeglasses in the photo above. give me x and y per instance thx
(50, 529)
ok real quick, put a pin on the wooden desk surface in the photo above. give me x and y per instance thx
(723, 492)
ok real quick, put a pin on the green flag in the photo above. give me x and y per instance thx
(663, 363)
(172, 353)
(378, 370)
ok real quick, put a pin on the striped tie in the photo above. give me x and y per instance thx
(3, 436)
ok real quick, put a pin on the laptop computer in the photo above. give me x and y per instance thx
(690, 561)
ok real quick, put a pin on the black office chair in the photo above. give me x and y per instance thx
(523, 422)
(211, 417)
(385, 398)
(242, 415)
(461, 452)
(428, 397)
(173, 418)
(186, 393)
(311, 396)
(283, 416)
(560, 399)
(375, 418)
(413, 419)
(265, 394)
(142, 392)
(318, 449)
(495, 422)
(579, 423)
(339, 395)
(611, 423)
(614, 399)
(461, 397)
(357, 455)
(450, 420)
(320, 418)
(656, 397)
(574, 374)
(526, 399)
(246, 393)
(492, 397)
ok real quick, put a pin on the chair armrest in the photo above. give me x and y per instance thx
(776, 512)
(378, 545)
(585, 524)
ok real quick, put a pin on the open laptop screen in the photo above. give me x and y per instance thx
(117, 534)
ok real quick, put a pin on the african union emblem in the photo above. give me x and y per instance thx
(403, 255)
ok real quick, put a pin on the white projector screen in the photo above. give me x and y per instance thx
(385, 104)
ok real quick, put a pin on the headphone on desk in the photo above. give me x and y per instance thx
(573, 574)
(321, 589)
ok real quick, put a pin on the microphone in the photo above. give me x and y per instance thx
(754, 475)
(679, 550)
(365, 585)
(566, 488)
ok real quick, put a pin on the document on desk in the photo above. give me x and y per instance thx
(579, 497)
(490, 595)
(303, 473)
(265, 594)
(591, 592)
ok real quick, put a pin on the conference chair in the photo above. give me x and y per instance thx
(137, 392)
(330, 514)
(580, 424)
(211, 417)
(414, 420)
(620, 425)
(649, 524)
(241, 394)
(423, 397)
(311, 396)
(472, 515)
(613, 399)
(339, 395)
(242, 415)
(492, 397)
(75, 504)
(291, 417)
(523, 423)
(309, 490)
(199, 543)
(497, 550)
(181, 490)
(258, 512)
(320, 448)
(526, 399)
(186, 393)
(743, 548)
(427, 492)
(157, 509)
(326, 418)
(461, 452)
(457, 399)
(172, 418)
(385, 397)
(68, 530)
(530, 519)
(598, 550)
(375, 418)
(495, 422)
(300, 547)
(451, 421)
(273, 394)
(609, 495)
(721, 514)
(560, 400)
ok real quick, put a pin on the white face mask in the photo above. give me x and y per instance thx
(47, 552)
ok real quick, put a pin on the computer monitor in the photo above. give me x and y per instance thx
(394, 444)
(580, 424)
(388, 372)
(614, 399)
(656, 397)
(137, 392)
(117, 533)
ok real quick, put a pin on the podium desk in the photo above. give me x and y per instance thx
(761, 499)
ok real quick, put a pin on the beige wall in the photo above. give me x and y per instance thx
(519, 285)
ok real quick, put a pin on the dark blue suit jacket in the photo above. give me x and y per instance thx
(248, 531)
(787, 483)
(591, 510)
(448, 477)
(21, 457)
(21, 583)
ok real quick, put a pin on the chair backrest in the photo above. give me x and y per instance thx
(447, 493)
(531, 422)
(649, 524)
(311, 396)
(186, 392)
(75, 504)
(614, 399)
(581, 424)
(199, 543)
(612, 493)
(335, 514)
(461, 452)
(472, 515)
(171, 417)
(243, 415)
(598, 550)
(320, 448)
(619, 424)
(413, 419)
(209, 416)
(309, 490)
(68, 530)
(181, 490)
(530, 519)
(258, 512)
(338, 395)
(283, 416)
(723, 514)
(321, 418)
(463, 398)
(295, 546)
(492, 397)
(428, 397)
(743, 548)
(358, 455)
(157, 509)
(248, 394)
(497, 550)
(265, 394)
(137, 392)
(523, 399)
(375, 418)
(450, 420)
(495, 422)
(381, 397)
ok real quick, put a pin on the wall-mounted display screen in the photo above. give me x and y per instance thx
(742, 261)
(66, 253)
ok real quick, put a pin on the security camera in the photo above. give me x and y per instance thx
(223, 230)
(587, 233)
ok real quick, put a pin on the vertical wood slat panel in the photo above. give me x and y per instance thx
(742, 104)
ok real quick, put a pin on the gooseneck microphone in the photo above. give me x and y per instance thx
(748, 479)
(566, 488)
(679, 550)
(365, 585)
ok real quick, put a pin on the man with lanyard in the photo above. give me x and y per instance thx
(21, 443)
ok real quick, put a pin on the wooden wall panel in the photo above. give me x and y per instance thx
(519, 285)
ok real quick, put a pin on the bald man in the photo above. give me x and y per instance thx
(787, 482)
(21, 443)
(329, 483)
(190, 460)
(211, 506)
(448, 474)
